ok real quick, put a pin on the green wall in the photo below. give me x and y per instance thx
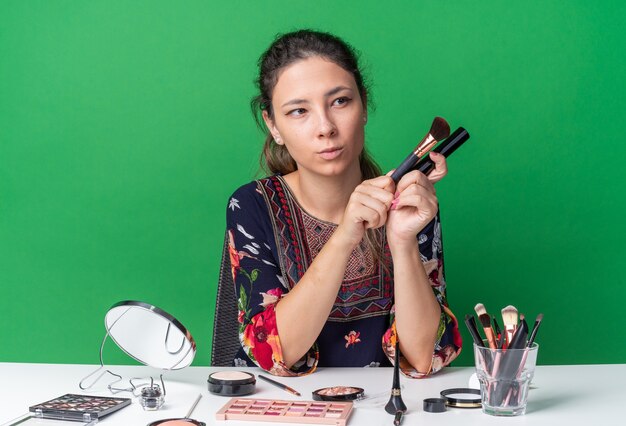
(125, 126)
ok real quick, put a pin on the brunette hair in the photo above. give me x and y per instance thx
(284, 51)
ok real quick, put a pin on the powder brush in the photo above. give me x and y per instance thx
(485, 320)
(445, 148)
(509, 318)
(440, 129)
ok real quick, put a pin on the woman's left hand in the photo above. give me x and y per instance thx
(441, 167)
(415, 203)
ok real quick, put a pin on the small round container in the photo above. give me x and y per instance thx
(435, 405)
(231, 383)
(151, 398)
(461, 397)
(338, 393)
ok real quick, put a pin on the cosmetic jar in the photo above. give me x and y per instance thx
(231, 383)
(338, 393)
(151, 398)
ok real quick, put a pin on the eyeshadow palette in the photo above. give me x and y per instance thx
(272, 410)
(79, 407)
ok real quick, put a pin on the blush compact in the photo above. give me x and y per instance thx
(181, 422)
(338, 393)
(231, 383)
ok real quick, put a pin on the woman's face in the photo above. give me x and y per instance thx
(319, 116)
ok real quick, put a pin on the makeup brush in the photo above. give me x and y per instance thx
(496, 327)
(485, 320)
(470, 322)
(510, 362)
(280, 385)
(440, 129)
(530, 342)
(533, 333)
(193, 407)
(395, 403)
(485, 358)
(445, 148)
(509, 318)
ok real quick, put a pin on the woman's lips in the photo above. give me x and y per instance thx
(330, 154)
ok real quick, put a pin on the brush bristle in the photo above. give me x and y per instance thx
(485, 320)
(539, 317)
(480, 309)
(522, 317)
(509, 315)
(440, 129)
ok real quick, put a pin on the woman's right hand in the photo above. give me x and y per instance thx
(367, 208)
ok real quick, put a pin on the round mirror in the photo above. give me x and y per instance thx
(150, 335)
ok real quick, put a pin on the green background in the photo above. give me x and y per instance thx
(125, 126)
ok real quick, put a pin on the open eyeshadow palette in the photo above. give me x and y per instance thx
(272, 410)
(79, 407)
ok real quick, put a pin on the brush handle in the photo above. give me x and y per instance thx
(395, 403)
(486, 360)
(470, 322)
(533, 334)
(404, 167)
(509, 364)
(445, 148)
(491, 338)
(397, 420)
(496, 327)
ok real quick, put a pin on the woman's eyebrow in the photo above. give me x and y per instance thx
(331, 92)
(294, 101)
(336, 90)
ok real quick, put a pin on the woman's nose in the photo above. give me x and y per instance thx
(326, 126)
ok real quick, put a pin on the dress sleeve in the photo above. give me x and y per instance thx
(448, 343)
(259, 283)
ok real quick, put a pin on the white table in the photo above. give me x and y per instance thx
(564, 395)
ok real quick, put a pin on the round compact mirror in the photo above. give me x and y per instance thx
(150, 335)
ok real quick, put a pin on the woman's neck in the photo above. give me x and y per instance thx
(325, 197)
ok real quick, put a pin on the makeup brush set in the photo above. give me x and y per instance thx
(505, 358)
(418, 159)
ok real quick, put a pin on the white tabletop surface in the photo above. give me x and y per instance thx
(565, 395)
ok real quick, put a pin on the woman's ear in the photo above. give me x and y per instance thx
(364, 103)
(272, 127)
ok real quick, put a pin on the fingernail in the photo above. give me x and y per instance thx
(394, 204)
(396, 195)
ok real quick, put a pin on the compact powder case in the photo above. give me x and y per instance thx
(231, 383)
(338, 393)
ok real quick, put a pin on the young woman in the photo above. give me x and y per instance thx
(333, 262)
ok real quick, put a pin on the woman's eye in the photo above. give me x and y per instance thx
(341, 101)
(297, 112)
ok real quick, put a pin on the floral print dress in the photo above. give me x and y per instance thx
(272, 241)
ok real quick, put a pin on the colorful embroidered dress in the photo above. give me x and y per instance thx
(272, 242)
